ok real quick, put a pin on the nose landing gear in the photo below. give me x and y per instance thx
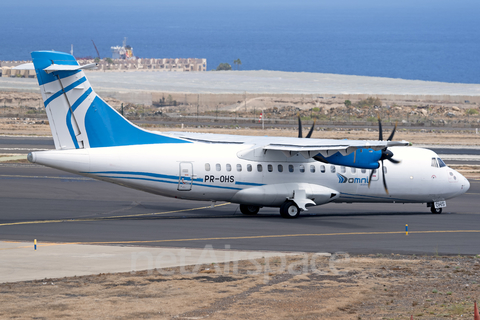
(435, 210)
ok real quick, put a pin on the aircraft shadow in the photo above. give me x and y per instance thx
(237, 215)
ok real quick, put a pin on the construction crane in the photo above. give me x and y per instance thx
(98, 54)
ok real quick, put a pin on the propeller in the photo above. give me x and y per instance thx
(386, 154)
(309, 134)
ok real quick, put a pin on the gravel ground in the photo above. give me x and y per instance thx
(297, 287)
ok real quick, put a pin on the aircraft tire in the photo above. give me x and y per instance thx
(289, 210)
(249, 210)
(435, 210)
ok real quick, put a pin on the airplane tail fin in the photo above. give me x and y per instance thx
(78, 117)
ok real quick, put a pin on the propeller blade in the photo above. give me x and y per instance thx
(311, 129)
(370, 178)
(394, 160)
(299, 126)
(393, 132)
(388, 155)
(384, 181)
(380, 133)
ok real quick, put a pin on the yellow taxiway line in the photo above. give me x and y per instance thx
(249, 237)
(288, 235)
(109, 217)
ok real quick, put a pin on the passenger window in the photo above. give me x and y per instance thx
(302, 168)
(229, 167)
(332, 169)
(343, 169)
(218, 167)
(322, 168)
(280, 168)
(207, 166)
(249, 167)
(270, 168)
(312, 168)
(290, 167)
(364, 170)
(239, 167)
(442, 164)
(354, 170)
(259, 168)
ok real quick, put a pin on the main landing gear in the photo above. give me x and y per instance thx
(249, 210)
(289, 210)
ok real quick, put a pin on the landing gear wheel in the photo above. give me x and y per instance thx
(289, 210)
(435, 210)
(249, 210)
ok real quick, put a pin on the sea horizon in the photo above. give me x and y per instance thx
(424, 40)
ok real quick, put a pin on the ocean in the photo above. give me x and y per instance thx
(431, 40)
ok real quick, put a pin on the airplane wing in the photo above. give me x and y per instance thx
(291, 146)
(328, 147)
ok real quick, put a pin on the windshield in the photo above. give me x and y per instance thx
(441, 163)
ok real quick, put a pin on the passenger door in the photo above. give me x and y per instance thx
(185, 177)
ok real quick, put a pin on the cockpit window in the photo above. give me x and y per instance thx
(441, 163)
(434, 163)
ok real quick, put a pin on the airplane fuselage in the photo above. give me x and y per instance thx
(209, 172)
(92, 139)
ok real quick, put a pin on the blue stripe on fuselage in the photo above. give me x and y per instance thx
(167, 181)
(148, 174)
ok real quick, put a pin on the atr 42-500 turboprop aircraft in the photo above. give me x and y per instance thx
(93, 140)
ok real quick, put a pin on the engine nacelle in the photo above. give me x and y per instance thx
(361, 158)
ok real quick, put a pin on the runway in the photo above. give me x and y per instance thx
(50, 205)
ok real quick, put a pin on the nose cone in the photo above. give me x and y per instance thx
(466, 185)
(463, 184)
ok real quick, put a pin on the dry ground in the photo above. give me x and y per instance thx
(357, 287)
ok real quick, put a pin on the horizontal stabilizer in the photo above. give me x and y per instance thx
(64, 67)
(25, 66)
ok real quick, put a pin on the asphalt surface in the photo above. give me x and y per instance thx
(49, 205)
(24, 145)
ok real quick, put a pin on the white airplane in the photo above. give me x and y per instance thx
(94, 140)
